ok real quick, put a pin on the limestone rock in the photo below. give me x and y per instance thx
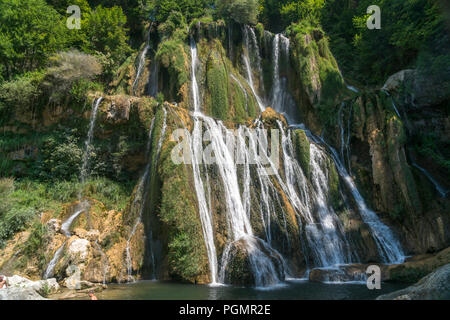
(435, 286)
(270, 117)
(54, 225)
(74, 281)
(16, 293)
(394, 82)
(417, 90)
(337, 274)
(42, 286)
(79, 250)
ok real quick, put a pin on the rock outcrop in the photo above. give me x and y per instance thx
(20, 288)
(435, 286)
(20, 294)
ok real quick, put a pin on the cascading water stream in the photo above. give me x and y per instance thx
(240, 228)
(441, 190)
(389, 248)
(281, 100)
(248, 68)
(345, 139)
(142, 60)
(142, 193)
(65, 226)
(88, 142)
(196, 146)
(324, 231)
(153, 81)
(242, 89)
(51, 266)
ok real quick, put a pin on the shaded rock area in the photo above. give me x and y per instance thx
(417, 89)
(435, 286)
(240, 269)
(411, 271)
(342, 274)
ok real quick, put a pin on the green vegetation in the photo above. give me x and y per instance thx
(317, 69)
(217, 83)
(301, 144)
(428, 145)
(409, 29)
(240, 11)
(187, 252)
(24, 200)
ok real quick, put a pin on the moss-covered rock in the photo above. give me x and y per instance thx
(315, 72)
(302, 150)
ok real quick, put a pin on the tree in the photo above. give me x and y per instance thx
(241, 11)
(30, 31)
(294, 11)
(106, 33)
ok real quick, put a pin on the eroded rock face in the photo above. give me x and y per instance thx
(435, 286)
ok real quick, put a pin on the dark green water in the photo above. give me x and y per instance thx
(297, 290)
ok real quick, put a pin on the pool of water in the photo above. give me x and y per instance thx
(291, 290)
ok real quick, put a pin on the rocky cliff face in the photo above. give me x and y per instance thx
(159, 233)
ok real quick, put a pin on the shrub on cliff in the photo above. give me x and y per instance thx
(69, 68)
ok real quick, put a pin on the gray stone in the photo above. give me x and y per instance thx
(435, 286)
(43, 286)
(17, 293)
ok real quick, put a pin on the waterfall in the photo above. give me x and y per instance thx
(276, 90)
(196, 145)
(153, 81)
(51, 266)
(352, 88)
(252, 43)
(442, 192)
(281, 100)
(238, 217)
(142, 60)
(88, 142)
(65, 226)
(323, 230)
(142, 195)
(248, 67)
(345, 139)
(331, 238)
(392, 102)
(388, 246)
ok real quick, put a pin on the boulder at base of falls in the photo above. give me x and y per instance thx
(20, 288)
(342, 274)
(435, 286)
(240, 271)
(41, 286)
(15, 293)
